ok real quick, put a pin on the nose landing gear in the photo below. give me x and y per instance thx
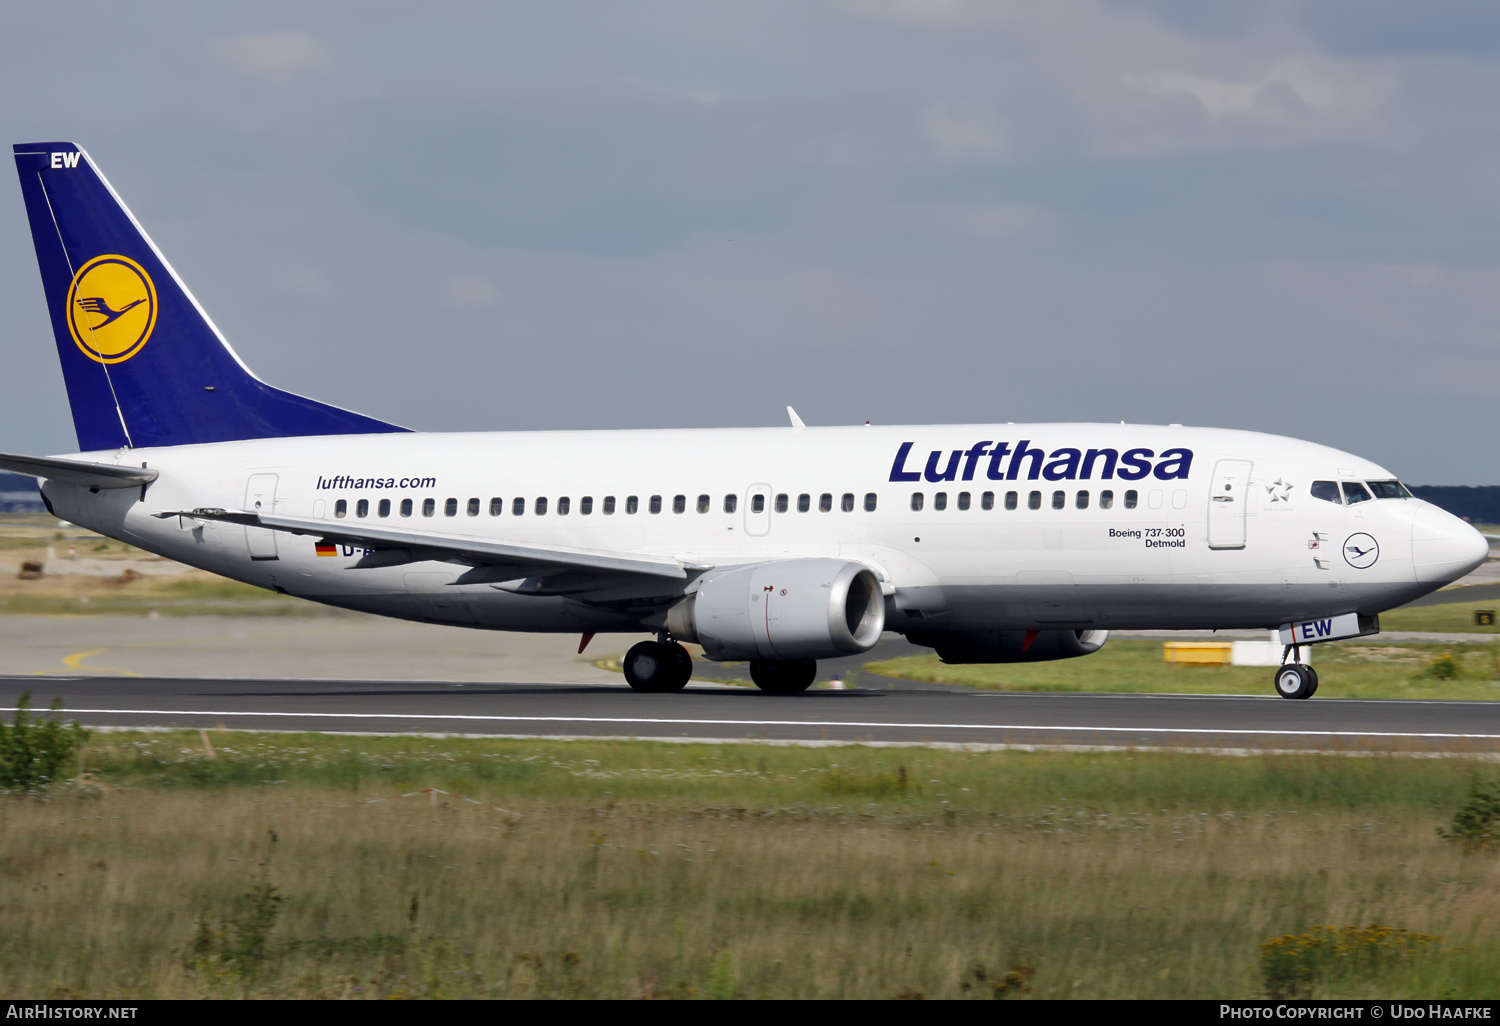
(1296, 679)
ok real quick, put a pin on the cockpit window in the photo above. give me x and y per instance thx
(1389, 489)
(1355, 492)
(1328, 491)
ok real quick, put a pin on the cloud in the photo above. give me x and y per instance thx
(967, 133)
(304, 281)
(1301, 98)
(992, 223)
(269, 57)
(470, 293)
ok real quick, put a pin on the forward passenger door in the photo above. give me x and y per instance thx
(1229, 504)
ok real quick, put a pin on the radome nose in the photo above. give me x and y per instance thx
(1443, 547)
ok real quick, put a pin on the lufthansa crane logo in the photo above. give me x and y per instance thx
(111, 308)
(1361, 551)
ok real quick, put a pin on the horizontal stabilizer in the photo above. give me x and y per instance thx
(446, 547)
(78, 472)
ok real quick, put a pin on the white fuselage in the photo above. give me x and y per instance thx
(1174, 553)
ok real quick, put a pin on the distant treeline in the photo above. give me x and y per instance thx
(17, 483)
(1478, 503)
(18, 494)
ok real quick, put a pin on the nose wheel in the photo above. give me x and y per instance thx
(1296, 680)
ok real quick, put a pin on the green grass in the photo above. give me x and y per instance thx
(620, 869)
(1355, 669)
(1451, 617)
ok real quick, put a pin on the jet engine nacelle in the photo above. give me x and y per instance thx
(1009, 646)
(787, 609)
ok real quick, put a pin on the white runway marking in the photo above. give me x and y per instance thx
(784, 723)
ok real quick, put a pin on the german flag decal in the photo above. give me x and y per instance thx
(325, 549)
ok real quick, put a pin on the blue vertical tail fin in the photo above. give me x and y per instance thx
(143, 363)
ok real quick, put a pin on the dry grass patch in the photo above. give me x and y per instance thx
(631, 869)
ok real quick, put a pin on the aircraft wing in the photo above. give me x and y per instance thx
(78, 472)
(393, 546)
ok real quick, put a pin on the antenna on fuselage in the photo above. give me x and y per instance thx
(796, 420)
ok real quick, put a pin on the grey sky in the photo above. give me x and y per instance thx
(1279, 216)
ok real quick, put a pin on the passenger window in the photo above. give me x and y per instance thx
(1153, 498)
(1011, 500)
(518, 507)
(341, 508)
(825, 503)
(679, 504)
(1034, 500)
(497, 506)
(473, 507)
(632, 504)
(1059, 500)
(563, 505)
(963, 500)
(1081, 500)
(1179, 498)
(406, 507)
(450, 507)
(916, 500)
(703, 503)
(609, 505)
(1106, 499)
(940, 500)
(655, 504)
(541, 506)
(362, 508)
(847, 502)
(1131, 497)
(987, 500)
(781, 503)
(1328, 491)
(384, 508)
(804, 503)
(429, 507)
(870, 501)
(585, 505)
(758, 503)
(732, 503)
(1354, 492)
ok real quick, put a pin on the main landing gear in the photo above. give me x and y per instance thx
(1296, 679)
(783, 676)
(664, 665)
(658, 666)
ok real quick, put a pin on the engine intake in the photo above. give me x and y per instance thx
(787, 609)
(1009, 646)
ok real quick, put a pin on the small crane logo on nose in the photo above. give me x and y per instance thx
(1361, 551)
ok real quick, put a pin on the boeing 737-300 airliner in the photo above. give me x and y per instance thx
(781, 546)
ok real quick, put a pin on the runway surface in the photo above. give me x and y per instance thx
(906, 713)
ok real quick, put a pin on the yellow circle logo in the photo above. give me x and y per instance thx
(111, 308)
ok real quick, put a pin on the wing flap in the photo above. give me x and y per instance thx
(453, 548)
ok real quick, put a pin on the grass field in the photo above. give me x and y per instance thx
(1451, 617)
(114, 583)
(619, 869)
(1357, 669)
